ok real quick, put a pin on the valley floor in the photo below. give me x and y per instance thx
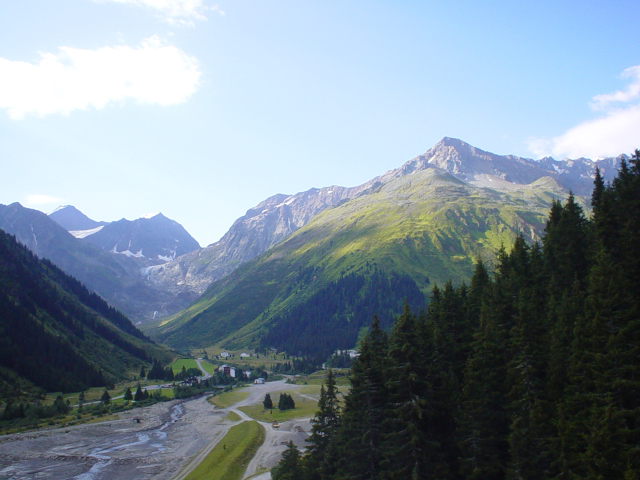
(164, 442)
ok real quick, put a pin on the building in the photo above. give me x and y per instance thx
(227, 370)
(259, 381)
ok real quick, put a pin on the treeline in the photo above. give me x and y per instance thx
(531, 373)
(92, 300)
(331, 319)
(297, 366)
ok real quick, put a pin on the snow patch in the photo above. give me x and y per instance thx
(61, 207)
(85, 233)
(151, 215)
(35, 239)
(129, 253)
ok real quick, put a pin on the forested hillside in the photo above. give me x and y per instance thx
(55, 333)
(532, 372)
(334, 316)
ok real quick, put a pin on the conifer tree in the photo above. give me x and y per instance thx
(127, 394)
(290, 466)
(267, 403)
(361, 435)
(483, 422)
(407, 437)
(321, 460)
(138, 396)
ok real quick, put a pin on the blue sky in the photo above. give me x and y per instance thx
(201, 110)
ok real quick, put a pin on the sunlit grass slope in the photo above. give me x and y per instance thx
(428, 225)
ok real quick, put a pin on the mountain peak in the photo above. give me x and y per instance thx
(451, 142)
(72, 219)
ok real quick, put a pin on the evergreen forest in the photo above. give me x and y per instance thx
(55, 333)
(531, 371)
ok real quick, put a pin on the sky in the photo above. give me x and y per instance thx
(201, 110)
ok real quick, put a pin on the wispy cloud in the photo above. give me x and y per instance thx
(614, 132)
(176, 12)
(629, 94)
(37, 200)
(74, 79)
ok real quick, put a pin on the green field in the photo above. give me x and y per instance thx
(187, 363)
(305, 408)
(229, 398)
(208, 367)
(230, 457)
(318, 378)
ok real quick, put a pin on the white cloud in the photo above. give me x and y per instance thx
(632, 92)
(38, 200)
(76, 79)
(177, 12)
(617, 131)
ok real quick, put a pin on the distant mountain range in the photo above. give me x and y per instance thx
(151, 268)
(111, 264)
(152, 238)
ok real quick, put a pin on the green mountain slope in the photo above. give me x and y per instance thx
(56, 334)
(421, 228)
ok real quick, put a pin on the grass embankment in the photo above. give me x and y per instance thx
(341, 376)
(229, 398)
(230, 457)
(233, 417)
